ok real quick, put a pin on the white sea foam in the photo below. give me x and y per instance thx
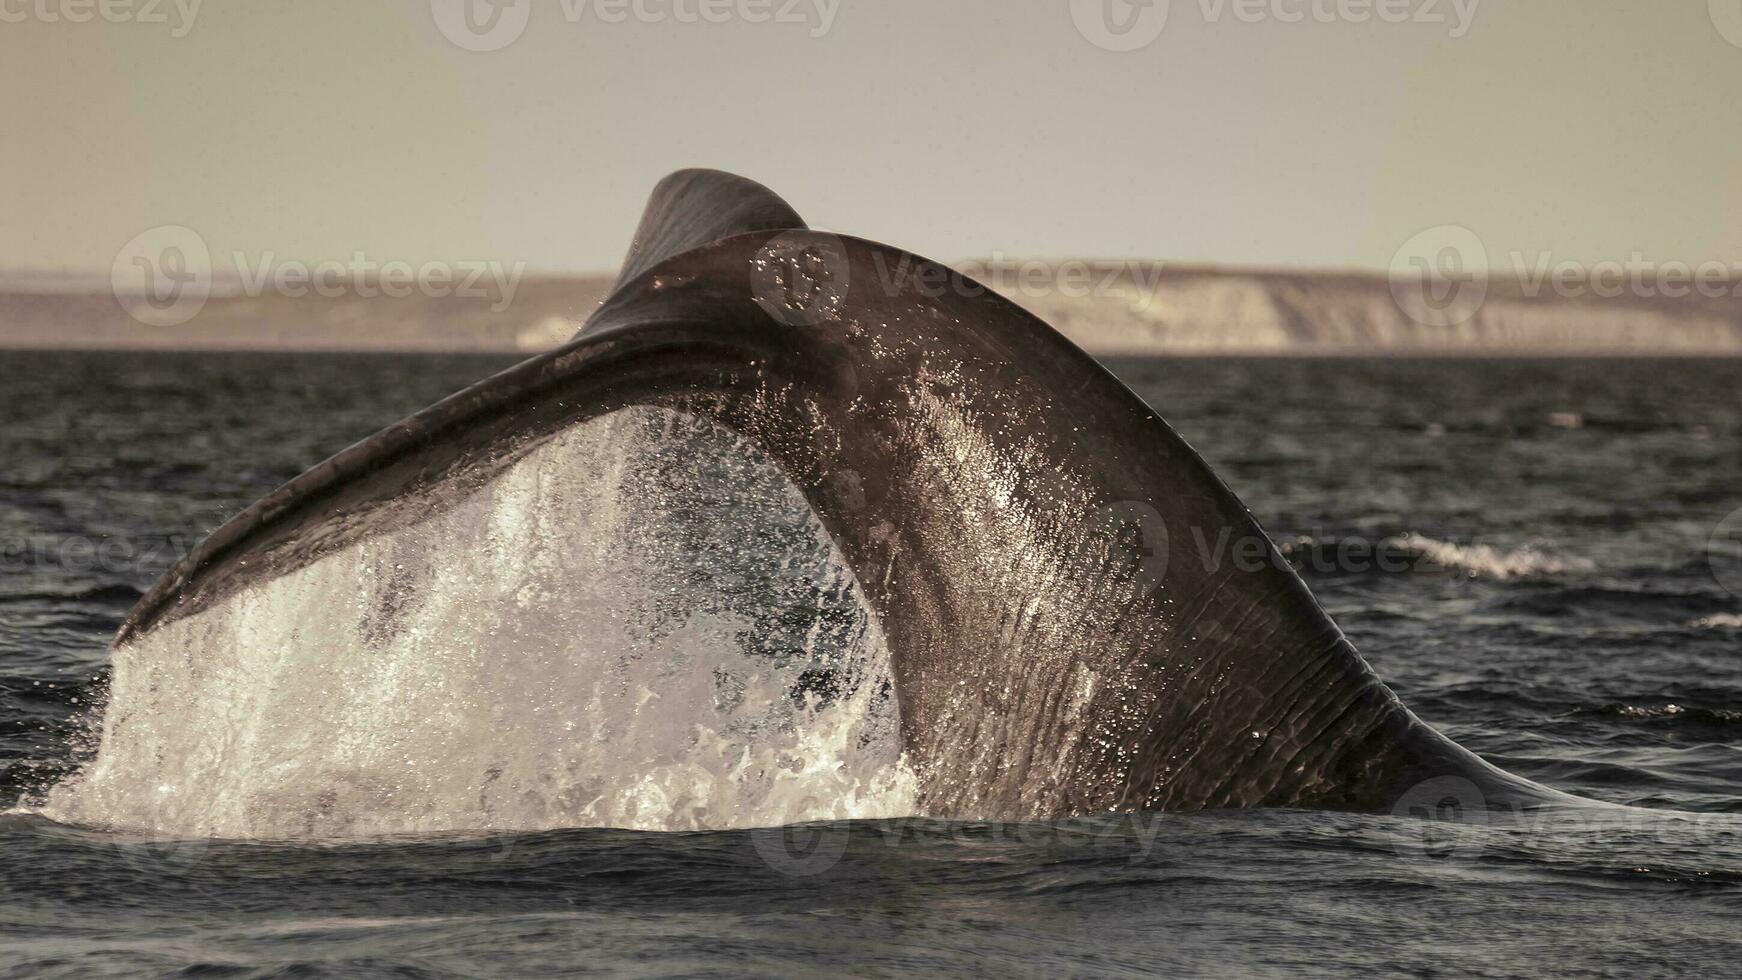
(1486, 561)
(549, 652)
(1718, 622)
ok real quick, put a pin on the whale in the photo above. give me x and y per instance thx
(1081, 617)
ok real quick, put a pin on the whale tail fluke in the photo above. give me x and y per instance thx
(691, 208)
(1081, 616)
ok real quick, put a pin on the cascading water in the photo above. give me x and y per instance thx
(598, 637)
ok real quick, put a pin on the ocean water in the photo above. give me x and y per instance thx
(1543, 558)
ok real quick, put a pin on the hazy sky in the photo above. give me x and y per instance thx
(319, 128)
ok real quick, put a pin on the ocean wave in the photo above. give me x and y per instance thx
(1407, 553)
(1722, 621)
(1486, 561)
(1677, 715)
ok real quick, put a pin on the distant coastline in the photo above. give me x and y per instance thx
(1109, 308)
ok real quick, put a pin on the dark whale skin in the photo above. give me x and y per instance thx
(983, 478)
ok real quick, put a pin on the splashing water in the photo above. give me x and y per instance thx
(597, 637)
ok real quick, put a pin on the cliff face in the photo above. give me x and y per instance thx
(1263, 312)
(1116, 308)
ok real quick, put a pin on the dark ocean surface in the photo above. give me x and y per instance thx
(1534, 554)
